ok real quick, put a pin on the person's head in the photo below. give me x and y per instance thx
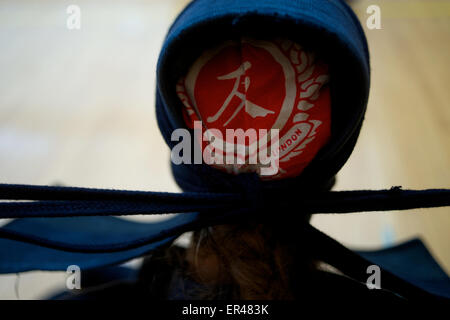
(236, 91)
(284, 79)
(327, 30)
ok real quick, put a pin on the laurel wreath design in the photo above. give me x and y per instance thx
(182, 95)
(310, 86)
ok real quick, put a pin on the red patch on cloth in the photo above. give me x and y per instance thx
(261, 85)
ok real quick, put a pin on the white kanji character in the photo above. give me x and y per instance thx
(251, 108)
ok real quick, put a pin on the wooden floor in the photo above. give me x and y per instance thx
(76, 107)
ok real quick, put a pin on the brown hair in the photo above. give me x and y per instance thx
(253, 261)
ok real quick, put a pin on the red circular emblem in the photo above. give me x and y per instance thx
(256, 85)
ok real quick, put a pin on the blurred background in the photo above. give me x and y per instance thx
(77, 108)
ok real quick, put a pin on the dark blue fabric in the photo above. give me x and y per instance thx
(79, 202)
(83, 234)
(94, 234)
(412, 262)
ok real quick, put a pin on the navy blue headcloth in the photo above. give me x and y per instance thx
(329, 27)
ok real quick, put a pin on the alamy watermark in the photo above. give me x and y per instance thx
(239, 149)
(73, 21)
(374, 280)
(73, 281)
(374, 20)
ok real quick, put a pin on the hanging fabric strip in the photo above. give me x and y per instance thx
(395, 276)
